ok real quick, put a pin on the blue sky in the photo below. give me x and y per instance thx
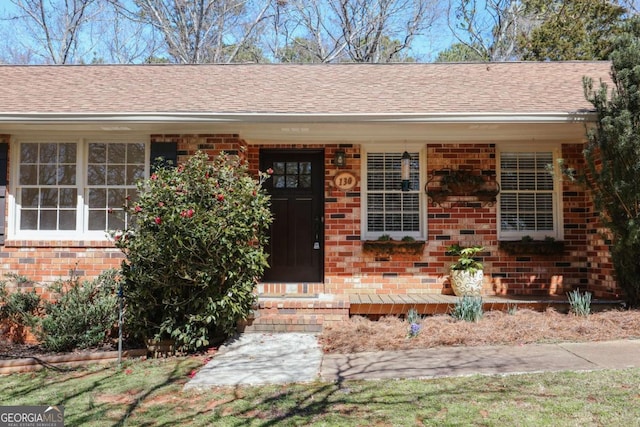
(424, 48)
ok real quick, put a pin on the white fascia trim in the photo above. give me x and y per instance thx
(177, 117)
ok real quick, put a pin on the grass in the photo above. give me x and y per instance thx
(149, 393)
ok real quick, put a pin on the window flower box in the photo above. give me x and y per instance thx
(390, 247)
(532, 247)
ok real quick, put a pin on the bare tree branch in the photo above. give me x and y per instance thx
(198, 31)
(124, 41)
(53, 28)
(250, 30)
(360, 30)
(490, 28)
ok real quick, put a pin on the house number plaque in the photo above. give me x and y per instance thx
(345, 181)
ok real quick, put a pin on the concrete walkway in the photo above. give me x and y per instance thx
(253, 359)
(283, 358)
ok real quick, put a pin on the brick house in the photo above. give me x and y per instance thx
(73, 140)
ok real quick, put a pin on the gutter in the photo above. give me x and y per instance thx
(390, 118)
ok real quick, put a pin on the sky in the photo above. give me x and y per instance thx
(424, 48)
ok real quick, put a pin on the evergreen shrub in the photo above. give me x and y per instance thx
(19, 307)
(194, 250)
(82, 316)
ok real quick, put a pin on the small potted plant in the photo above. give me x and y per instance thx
(466, 274)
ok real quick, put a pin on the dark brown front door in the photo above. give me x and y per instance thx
(296, 244)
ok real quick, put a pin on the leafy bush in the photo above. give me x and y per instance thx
(83, 314)
(194, 250)
(468, 308)
(580, 304)
(18, 307)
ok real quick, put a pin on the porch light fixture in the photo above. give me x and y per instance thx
(340, 158)
(405, 171)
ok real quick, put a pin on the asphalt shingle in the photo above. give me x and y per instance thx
(516, 87)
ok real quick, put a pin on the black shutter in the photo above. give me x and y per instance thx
(163, 154)
(4, 151)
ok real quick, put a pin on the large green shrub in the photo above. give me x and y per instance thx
(83, 314)
(194, 249)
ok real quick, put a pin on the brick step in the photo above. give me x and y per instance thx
(288, 296)
(284, 323)
(295, 314)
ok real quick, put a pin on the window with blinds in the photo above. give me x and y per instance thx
(389, 209)
(527, 192)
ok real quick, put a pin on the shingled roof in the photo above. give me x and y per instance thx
(517, 87)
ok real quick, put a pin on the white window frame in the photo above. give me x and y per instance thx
(393, 148)
(81, 231)
(557, 203)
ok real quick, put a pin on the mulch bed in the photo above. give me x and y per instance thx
(391, 333)
(495, 328)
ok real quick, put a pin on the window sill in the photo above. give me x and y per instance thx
(16, 243)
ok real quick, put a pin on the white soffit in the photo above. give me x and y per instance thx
(274, 128)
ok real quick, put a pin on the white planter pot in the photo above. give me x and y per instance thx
(466, 283)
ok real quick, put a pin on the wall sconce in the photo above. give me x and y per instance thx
(340, 158)
(405, 171)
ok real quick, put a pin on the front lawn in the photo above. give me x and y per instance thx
(149, 393)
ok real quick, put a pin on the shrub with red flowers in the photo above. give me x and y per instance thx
(194, 249)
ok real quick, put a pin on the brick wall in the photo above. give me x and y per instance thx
(584, 230)
(44, 262)
(552, 274)
(212, 144)
(348, 269)
(461, 220)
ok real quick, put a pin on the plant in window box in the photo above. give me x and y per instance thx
(466, 274)
(385, 245)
